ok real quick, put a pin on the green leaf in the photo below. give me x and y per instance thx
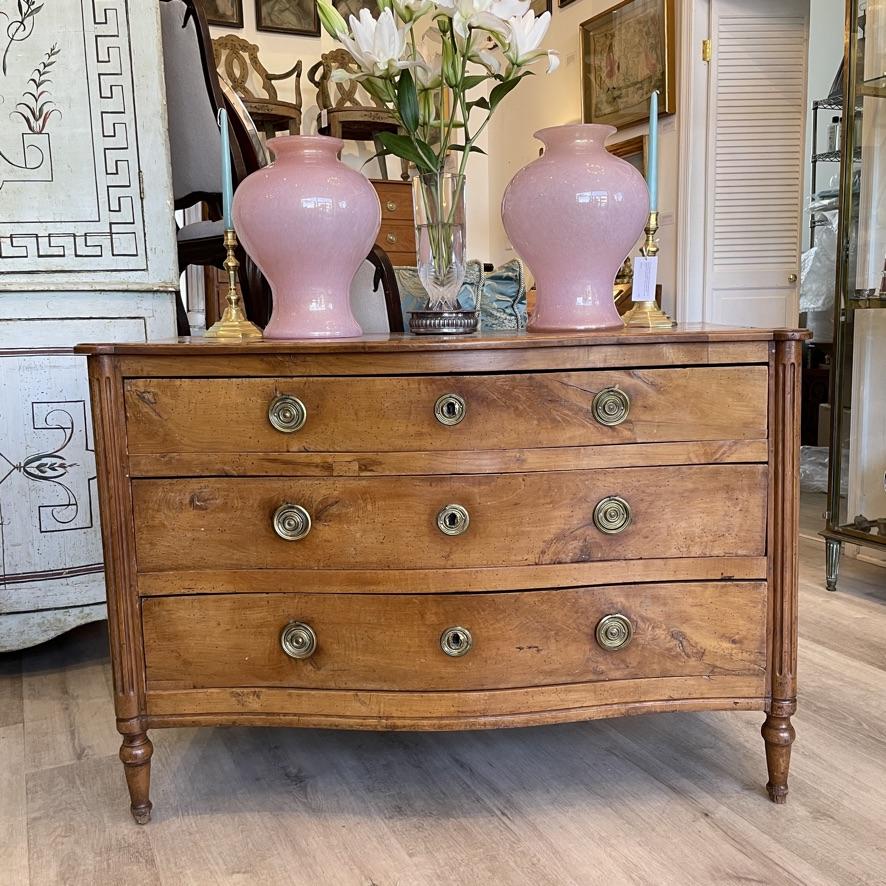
(473, 80)
(402, 146)
(473, 149)
(500, 91)
(479, 103)
(374, 87)
(407, 100)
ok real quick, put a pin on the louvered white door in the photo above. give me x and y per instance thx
(756, 134)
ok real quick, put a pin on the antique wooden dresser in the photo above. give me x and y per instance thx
(398, 533)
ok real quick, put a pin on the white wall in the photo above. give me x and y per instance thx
(551, 100)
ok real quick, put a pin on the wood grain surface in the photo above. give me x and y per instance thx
(478, 461)
(393, 641)
(515, 519)
(520, 411)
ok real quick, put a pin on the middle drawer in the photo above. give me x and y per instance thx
(452, 521)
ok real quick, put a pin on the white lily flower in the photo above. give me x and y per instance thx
(527, 32)
(377, 45)
(485, 15)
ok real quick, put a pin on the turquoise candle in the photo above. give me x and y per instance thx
(652, 173)
(227, 175)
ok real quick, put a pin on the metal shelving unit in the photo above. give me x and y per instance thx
(857, 169)
(825, 104)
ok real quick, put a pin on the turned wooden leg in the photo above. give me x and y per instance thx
(778, 733)
(135, 752)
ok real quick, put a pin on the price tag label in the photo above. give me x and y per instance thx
(645, 279)
(324, 119)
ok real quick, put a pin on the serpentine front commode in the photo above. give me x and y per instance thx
(410, 533)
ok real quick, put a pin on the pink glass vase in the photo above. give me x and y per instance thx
(308, 221)
(573, 216)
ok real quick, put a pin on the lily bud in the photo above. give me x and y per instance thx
(451, 71)
(331, 19)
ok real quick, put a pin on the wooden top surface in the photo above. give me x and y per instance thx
(494, 340)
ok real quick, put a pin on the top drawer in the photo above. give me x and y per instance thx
(390, 414)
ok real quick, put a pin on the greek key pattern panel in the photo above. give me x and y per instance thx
(70, 193)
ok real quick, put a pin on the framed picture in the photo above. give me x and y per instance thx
(288, 17)
(626, 53)
(562, 3)
(224, 13)
(540, 7)
(347, 8)
(634, 150)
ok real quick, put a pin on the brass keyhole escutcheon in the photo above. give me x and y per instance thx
(291, 522)
(612, 515)
(450, 409)
(287, 413)
(456, 642)
(614, 632)
(453, 520)
(298, 640)
(611, 407)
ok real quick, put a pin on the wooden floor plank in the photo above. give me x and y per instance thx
(66, 688)
(11, 711)
(13, 807)
(80, 833)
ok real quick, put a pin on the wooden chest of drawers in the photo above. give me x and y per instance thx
(443, 534)
(397, 232)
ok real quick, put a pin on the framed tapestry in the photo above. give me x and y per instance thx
(224, 13)
(626, 53)
(288, 17)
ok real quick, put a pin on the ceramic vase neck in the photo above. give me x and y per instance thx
(305, 147)
(581, 138)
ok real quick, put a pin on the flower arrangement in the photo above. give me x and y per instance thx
(442, 67)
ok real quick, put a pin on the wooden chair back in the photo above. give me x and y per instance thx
(238, 61)
(347, 92)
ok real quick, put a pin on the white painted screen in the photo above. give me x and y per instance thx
(756, 160)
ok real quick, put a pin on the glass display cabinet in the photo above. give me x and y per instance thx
(856, 511)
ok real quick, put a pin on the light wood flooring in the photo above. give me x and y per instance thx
(674, 798)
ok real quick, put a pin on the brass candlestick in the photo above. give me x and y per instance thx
(233, 325)
(647, 314)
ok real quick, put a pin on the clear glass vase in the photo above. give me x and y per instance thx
(439, 202)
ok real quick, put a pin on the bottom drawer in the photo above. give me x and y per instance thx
(531, 638)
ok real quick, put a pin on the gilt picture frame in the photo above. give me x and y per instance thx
(626, 53)
(223, 13)
(635, 150)
(299, 17)
(540, 7)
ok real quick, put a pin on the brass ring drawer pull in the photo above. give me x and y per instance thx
(456, 642)
(298, 640)
(612, 515)
(453, 520)
(291, 522)
(287, 413)
(614, 632)
(450, 409)
(391, 206)
(611, 407)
